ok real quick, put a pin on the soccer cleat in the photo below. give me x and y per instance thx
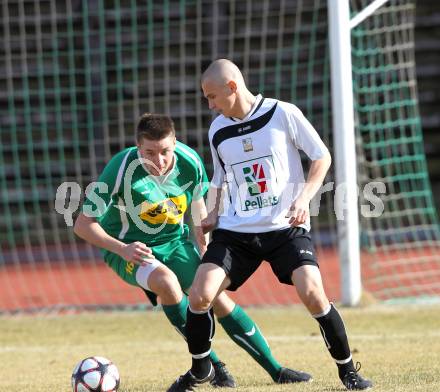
(188, 382)
(222, 378)
(354, 381)
(289, 376)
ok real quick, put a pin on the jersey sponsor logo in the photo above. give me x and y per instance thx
(170, 210)
(247, 145)
(256, 180)
(261, 202)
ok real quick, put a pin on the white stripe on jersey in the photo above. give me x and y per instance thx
(118, 180)
(122, 212)
(193, 157)
(124, 221)
(120, 173)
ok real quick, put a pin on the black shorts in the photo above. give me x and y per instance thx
(240, 254)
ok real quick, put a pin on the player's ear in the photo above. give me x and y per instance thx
(232, 85)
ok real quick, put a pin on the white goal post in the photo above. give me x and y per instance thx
(340, 27)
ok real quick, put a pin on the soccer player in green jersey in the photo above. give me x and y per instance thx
(135, 214)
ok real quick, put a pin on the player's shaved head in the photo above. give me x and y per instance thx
(225, 89)
(222, 71)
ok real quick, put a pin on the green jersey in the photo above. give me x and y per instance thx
(132, 205)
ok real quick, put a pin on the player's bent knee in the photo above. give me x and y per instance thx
(314, 300)
(164, 283)
(200, 300)
(207, 283)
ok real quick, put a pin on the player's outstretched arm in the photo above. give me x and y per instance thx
(91, 231)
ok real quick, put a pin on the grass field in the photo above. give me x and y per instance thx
(399, 348)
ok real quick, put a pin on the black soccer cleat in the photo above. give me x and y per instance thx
(289, 376)
(188, 382)
(353, 381)
(222, 378)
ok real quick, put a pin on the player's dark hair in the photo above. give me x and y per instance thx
(154, 127)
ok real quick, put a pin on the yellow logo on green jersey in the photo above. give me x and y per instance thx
(166, 211)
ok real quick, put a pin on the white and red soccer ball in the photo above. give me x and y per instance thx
(95, 374)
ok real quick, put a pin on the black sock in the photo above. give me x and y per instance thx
(200, 328)
(335, 337)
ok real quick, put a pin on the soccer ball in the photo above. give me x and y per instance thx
(95, 374)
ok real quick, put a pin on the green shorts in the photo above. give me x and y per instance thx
(180, 256)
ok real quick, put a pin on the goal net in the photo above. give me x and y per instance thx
(76, 75)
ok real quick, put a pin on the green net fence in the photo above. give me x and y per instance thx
(404, 240)
(76, 75)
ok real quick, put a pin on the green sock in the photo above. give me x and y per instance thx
(176, 314)
(243, 331)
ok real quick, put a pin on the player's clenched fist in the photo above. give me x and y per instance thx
(137, 252)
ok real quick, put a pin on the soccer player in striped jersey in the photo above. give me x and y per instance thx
(255, 145)
(135, 214)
